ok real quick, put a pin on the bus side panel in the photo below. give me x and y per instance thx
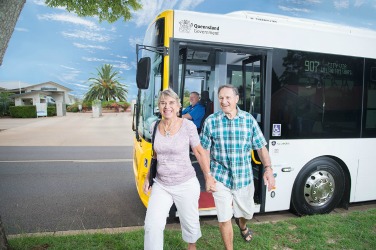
(295, 154)
(141, 161)
(365, 183)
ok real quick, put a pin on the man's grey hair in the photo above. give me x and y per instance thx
(196, 93)
(235, 89)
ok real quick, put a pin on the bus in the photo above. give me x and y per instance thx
(310, 85)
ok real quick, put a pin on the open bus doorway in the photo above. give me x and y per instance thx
(208, 68)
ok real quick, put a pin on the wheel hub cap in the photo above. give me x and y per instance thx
(319, 188)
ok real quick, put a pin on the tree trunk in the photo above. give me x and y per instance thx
(9, 12)
(3, 239)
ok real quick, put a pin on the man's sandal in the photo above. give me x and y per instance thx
(246, 234)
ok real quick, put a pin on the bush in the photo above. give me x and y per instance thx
(29, 111)
(73, 108)
(125, 105)
(105, 104)
(108, 104)
(51, 111)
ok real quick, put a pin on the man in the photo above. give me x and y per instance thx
(229, 135)
(194, 112)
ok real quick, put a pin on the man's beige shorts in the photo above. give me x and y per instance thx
(234, 202)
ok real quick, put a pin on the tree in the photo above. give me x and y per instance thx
(106, 86)
(110, 11)
(4, 102)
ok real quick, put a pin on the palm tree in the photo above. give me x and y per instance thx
(106, 86)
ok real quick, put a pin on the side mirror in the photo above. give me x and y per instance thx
(143, 73)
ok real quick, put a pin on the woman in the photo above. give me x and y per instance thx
(176, 180)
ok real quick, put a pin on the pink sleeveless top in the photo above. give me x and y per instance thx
(174, 165)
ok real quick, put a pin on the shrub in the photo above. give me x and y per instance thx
(51, 110)
(125, 105)
(73, 108)
(29, 111)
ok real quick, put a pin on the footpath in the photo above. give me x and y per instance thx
(74, 129)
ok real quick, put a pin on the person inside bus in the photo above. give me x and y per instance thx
(195, 111)
(176, 180)
(228, 136)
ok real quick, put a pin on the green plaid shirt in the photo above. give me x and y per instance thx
(230, 143)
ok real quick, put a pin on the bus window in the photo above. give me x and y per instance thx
(246, 77)
(149, 107)
(192, 84)
(370, 105)
(316, 95)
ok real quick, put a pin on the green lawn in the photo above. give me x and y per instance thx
(354, 230)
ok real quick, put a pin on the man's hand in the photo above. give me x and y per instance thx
(269, 179)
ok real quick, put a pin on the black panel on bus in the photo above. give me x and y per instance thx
(316, 95)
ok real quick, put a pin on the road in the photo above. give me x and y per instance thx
(67, 188)
(68, 173)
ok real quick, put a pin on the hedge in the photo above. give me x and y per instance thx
(29, 111)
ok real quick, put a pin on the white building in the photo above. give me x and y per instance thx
(42, 93)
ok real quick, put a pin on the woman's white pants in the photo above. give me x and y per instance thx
(185, 196)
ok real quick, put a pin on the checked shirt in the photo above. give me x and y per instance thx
(230, 142)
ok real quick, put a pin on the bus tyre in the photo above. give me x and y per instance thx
(319, 187)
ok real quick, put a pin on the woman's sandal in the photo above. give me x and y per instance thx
(244, 235)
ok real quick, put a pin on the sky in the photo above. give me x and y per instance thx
(51, 44)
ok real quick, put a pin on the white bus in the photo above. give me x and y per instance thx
(310, 85)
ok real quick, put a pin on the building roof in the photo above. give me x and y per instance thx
(16, 85)
(31, 93)
(50, 82)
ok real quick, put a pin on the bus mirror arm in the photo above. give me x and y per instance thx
(137, 136)
(133, 117)
(161, 49)
(136, 114)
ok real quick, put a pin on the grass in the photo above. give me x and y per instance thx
(354, 230)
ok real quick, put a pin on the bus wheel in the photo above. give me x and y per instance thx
(318, 188)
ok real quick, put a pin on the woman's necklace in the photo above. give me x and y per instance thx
(168, 129)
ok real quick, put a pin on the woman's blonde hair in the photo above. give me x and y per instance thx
(169, 92)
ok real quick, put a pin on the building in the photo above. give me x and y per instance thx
(42, 93)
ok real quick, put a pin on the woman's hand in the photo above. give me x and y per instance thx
(210, 183)
(146, 187)
(203, 157)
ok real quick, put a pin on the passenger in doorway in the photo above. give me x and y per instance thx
(228, 136)
(176, 180)
(195, 111)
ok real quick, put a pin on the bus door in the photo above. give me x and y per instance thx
(193, 75)
(249, 79)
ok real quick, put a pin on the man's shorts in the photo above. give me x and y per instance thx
(234, 202)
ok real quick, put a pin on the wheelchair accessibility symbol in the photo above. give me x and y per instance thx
(276, 130)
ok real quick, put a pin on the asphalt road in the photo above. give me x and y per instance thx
(68, 173)
(67, 188)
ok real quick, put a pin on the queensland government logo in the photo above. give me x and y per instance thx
(185, 26)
